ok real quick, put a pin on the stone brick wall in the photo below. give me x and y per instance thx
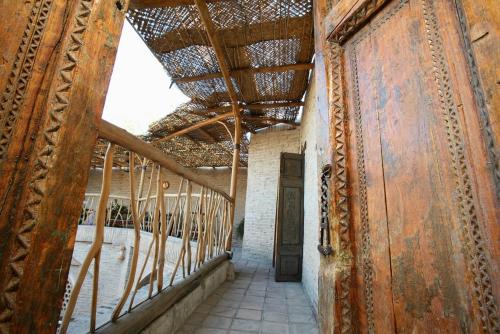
(263, 176)
(217, 177)
(312, 156)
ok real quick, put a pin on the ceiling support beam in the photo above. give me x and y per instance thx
(198, 125)
(271, 120)
(219, 52)
(142, 4)
(247, 71)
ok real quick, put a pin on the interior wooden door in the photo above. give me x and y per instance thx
(421, 219)
(290, 218)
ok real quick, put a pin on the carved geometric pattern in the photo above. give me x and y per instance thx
(366, 260)
(351, 25)
(340, 194)
(37, 184)
(474, 242)
(17, 83)
(477, 88)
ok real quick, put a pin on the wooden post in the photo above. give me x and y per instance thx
(234, 177)
(56, 62)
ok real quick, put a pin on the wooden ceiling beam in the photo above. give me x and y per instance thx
(211, 31)
(142, 4)
(235, 37)
(261, 106)
(198, 125)
(270, 120)
(248, 71)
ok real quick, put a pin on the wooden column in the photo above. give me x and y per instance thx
(234, 173)
(56, 59)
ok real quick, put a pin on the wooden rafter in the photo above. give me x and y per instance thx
(271, 120)
(227, 114)
(208, 137)
(211, 31)
(248, 71)
(195, 126)
(235, 37)
(142, 4)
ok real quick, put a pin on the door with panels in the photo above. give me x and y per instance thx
(414, 192)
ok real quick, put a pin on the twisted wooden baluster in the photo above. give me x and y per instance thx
(95, 248)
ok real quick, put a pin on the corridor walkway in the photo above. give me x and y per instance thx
(254, 303)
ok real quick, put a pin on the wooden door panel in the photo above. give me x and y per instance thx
(413, 177)
(289, 224)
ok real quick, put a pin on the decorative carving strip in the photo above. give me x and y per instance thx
(366, 260)
(480, 99)
(325, 246)
(13, 96)
(341, 210)
(477, 259)
(37, 184)
(356, 20)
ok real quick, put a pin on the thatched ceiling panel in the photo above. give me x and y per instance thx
(253, 34)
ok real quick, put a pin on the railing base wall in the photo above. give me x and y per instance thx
(167, 312)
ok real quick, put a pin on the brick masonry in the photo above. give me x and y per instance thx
(263, 176)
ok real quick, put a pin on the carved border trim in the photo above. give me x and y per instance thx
(340, 193)
(366, 258)
(56, 109)
(13, 96)
(356, 20)
(474, 243)
(480, 98)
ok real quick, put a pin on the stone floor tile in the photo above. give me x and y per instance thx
(258, 293)
(213, 321)
(307, 318)
(246, 325)
(223, 311)
(204, 308)
(275, 316)
(303, 329)
(249, 314)
(275, 328)
(299, 309)
(276, 308)
(276, 301)
(253, 299)
(231, 303)
(252, 305)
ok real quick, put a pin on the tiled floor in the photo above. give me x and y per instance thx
(254, 303)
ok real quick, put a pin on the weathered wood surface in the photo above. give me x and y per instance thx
(414, 198)
(56, 59)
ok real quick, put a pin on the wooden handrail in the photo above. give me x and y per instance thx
(127, 140)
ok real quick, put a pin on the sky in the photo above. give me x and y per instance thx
(139, 91)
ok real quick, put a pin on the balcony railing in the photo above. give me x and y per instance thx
(198, 221)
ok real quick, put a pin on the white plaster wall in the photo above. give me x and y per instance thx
(312, 155)
(262, 188)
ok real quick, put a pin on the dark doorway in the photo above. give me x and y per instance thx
(290, 218)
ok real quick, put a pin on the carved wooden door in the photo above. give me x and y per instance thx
(290, 217)
(414, 193)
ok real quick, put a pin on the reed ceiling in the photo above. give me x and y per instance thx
(268, 47)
